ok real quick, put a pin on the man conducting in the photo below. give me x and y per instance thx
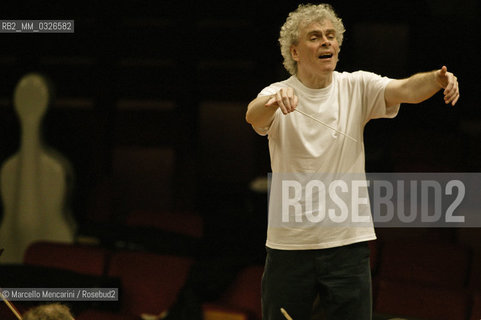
(315, 121)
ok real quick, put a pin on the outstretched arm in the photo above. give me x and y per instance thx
(423, 86)
(260, 111)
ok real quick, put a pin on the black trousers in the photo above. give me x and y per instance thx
(340, 277)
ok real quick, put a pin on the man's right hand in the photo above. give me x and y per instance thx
(285, 99)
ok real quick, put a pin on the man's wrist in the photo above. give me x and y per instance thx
(437, 78)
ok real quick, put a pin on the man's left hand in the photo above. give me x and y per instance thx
(449, 83)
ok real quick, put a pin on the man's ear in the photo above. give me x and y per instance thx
(294, 53)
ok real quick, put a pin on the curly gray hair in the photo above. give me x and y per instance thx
(53, 311)
(304, 15)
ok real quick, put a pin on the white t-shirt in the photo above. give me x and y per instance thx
(302, 148)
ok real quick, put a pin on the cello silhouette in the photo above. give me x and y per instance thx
(34, 181)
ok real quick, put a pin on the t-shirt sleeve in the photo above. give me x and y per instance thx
(374, 103)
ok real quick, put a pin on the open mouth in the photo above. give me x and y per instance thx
(326, 56)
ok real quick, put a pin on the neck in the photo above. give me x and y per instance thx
(30, 140)
(315, 81)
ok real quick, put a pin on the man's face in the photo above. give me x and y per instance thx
(317, 50)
